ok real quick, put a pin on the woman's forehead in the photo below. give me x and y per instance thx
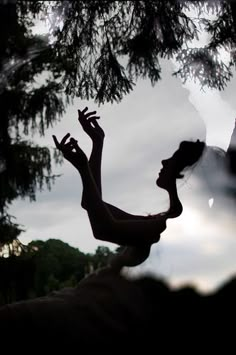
(176, 154)
(179, 153)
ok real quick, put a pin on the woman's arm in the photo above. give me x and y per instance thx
(105, 227)
(89, 123)
(130, 256)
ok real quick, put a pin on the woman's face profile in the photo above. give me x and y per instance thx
(169, 171)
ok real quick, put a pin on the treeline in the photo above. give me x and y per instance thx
(46, 266)
(51, 265)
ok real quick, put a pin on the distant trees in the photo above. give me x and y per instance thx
(45, 267)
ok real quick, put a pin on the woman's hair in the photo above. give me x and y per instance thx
(188, 154)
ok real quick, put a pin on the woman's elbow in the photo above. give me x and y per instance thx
(104, 233)
(84, 204)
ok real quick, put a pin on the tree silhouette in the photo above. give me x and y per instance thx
(205, 63)
(103, 47)
(47, 266)
(95, 40)
(27, 106)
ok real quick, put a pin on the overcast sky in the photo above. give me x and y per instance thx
(147, 126)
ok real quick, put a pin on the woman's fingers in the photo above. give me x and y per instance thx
(93, 118)
(56, 142)
(84, 110)
(84, 117)
(71, 150)
(93, 121)
(81, 118)
(73, 140)
(92, 113)
(82, 114)
(88, 121)
(64, 139)
(77, 148)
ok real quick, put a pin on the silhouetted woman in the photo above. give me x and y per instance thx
(110, 223)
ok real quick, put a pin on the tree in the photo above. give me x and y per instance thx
(56, 264)
(47, 266)
(24, 166)
(96, 37)
(17, 274)
(105, 46)
(101, 257)
(205, 63)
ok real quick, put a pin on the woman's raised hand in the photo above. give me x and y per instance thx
(88, 121)
(71, 151)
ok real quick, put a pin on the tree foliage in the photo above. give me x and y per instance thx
(106, 45)
(103, 47)
(46, 266)
(26, 107)
(206, 63)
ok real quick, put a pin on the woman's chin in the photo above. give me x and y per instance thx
(159, 183)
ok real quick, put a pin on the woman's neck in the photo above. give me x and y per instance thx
(175, 208)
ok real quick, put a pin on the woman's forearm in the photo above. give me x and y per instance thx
(95, 162)
(99, 214)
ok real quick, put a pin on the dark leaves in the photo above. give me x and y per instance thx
(101, 47)
(205, 66)
(28, 168)
(111, 82)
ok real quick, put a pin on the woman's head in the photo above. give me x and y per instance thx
(187, 155)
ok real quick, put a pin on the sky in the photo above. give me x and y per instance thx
(145, 127)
